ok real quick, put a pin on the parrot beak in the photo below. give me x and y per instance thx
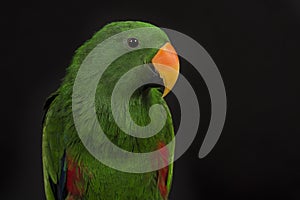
(166, 63)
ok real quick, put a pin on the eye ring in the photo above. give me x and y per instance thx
(133, 42)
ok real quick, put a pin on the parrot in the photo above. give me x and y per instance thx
(70, 170)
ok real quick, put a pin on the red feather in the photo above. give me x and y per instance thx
(163, 173)
(74, 179)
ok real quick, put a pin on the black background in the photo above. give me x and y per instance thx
(255, 44)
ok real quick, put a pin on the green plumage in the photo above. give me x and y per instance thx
(65, 155)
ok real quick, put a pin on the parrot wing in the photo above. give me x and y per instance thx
(54, 156)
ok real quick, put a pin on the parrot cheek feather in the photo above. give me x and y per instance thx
(163, 173)
(74, 179)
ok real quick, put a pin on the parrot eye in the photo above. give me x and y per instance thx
(132, 42)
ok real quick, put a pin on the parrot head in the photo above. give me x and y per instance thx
(135, 44)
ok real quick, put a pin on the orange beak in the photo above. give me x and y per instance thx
(166, 63)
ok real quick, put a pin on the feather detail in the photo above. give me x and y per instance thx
(75, 182)
(163, 172)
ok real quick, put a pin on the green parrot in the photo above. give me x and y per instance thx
(71, 172)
